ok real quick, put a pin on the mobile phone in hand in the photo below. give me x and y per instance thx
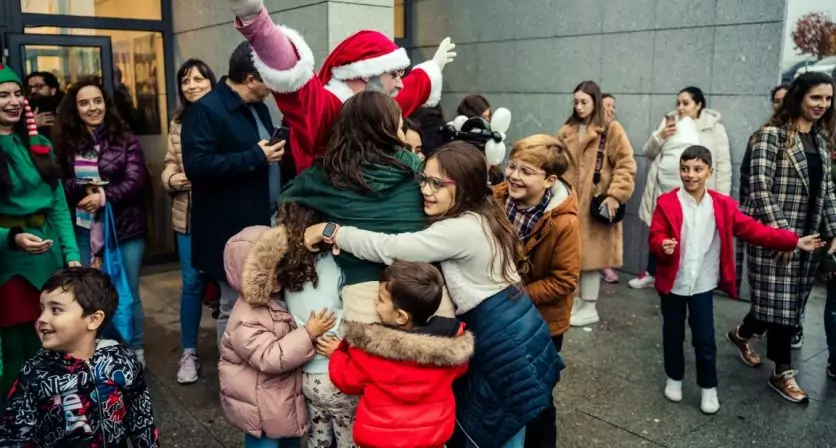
(281, 133)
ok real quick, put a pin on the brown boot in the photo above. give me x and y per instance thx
(744, 348)
(786, 385)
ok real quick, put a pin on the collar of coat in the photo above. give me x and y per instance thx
(398, 345)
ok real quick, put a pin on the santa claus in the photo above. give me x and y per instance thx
(367, 60)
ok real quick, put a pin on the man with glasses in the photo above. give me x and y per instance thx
(44, 93)
(367, 60)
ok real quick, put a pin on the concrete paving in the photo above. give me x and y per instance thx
(610, 394)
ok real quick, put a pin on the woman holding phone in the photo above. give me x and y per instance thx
(102, 163)
(195, 79)
(36, 234)
(663, 175)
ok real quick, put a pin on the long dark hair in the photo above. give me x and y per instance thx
(70, 134)
(467, 167)
(791, 107)
(298, 265)
(366, 133)
(204, 70)
(473, 106)
(597, 116)
(44, 163)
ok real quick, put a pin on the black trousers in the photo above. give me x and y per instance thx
(542, 431)
(778, 338)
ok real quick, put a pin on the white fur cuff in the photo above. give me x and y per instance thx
(434, 74)
(294, 78)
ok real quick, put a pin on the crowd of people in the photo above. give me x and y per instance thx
(382, 282)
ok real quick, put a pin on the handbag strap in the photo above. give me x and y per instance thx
(599, 158)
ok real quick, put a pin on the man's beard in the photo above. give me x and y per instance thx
(376, 85)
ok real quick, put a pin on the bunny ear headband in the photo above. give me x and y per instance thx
(477, 130)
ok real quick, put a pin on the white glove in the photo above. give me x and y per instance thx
(445, 54)
(246, 9)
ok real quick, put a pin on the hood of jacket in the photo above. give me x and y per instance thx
(708, 118)
(427, 348)
(247, 262)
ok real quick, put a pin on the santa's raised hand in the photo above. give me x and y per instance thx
(246, 9)
(445, 54)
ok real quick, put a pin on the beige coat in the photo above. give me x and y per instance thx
(712, 136)
(181, 199)
(602, 246)
(262, 350)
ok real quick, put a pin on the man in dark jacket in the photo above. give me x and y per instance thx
(233, 170)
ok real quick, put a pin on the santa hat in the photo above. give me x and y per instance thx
(365, 54)
(38, 144)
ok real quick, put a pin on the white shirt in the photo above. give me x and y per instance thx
(699, 247)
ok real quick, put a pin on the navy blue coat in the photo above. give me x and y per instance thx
(512, 374)
(228, 172)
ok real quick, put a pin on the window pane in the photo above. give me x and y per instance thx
(124, 9)
(400, 20)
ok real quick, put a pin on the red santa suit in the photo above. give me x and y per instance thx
(310, 103)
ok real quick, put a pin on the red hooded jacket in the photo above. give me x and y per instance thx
(731, 223)
(405, 379)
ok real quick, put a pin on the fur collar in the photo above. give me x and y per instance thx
(260, 276)
(399, 345)
(340, 89)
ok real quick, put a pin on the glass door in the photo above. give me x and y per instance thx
(69, 58)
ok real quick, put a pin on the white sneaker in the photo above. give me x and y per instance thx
(586, 314)
(710, 403)
(643, 281)
(673, 390)
(189, 367)
(576, 303)
(140, 355)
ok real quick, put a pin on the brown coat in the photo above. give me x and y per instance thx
(602, 242)
(181, 199)
(554, 250)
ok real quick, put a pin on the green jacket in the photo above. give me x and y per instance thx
(395, 206)
(31, 195)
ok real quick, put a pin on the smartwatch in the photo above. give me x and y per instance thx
(329, 231)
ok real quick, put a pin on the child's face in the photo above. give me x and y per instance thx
(61, 326)
(694, 173)
(437, 189)
(387, 312)
(526, 182)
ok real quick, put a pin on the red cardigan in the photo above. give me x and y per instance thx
(731, 223)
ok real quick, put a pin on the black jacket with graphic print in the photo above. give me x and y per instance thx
(60, 401)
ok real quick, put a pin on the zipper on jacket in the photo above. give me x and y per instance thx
(98, 403)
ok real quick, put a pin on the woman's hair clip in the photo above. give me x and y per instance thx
(489, 137)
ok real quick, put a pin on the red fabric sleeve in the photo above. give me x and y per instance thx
(344, 371)
(759, 234)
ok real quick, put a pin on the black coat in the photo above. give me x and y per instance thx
(228, 171)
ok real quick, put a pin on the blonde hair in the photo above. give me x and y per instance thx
(544, 151)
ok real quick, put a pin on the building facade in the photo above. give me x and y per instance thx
(526, 56)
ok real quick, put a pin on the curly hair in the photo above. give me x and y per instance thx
(791, 108)
(298, 266)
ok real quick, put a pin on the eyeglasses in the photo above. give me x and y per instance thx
(36, 86)
(523, 170)
(435, 184)
(397, 73)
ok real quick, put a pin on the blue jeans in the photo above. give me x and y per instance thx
(518, 441)
(699, 310)
(830, 320)
(264, 442)
(191, 297)
(132, 252)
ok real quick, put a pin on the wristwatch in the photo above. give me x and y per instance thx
(328, 232)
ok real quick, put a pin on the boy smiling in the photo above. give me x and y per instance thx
(79, 390)
(692, 234)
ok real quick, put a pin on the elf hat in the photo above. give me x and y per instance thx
(364, 54)
(38, 144)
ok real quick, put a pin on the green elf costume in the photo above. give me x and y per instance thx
(30, 205)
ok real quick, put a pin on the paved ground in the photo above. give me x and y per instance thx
(610, 395)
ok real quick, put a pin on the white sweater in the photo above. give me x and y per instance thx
(471, 269)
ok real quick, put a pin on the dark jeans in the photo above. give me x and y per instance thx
(830, 319)
(651, 264)
(778, 339)
(699, 310)
(542, 431)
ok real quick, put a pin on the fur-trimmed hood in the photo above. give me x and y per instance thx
(256, 269)
(397, 345)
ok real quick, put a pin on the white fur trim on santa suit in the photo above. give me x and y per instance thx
(396, 60)
(434, 73)
(340, 89)
(294, 78)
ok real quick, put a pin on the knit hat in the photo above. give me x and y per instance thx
(364, 54)
(38, 144)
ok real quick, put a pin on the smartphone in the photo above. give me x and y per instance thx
(281, 133)
(670, 118)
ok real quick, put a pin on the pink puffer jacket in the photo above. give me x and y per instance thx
(262, 349)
